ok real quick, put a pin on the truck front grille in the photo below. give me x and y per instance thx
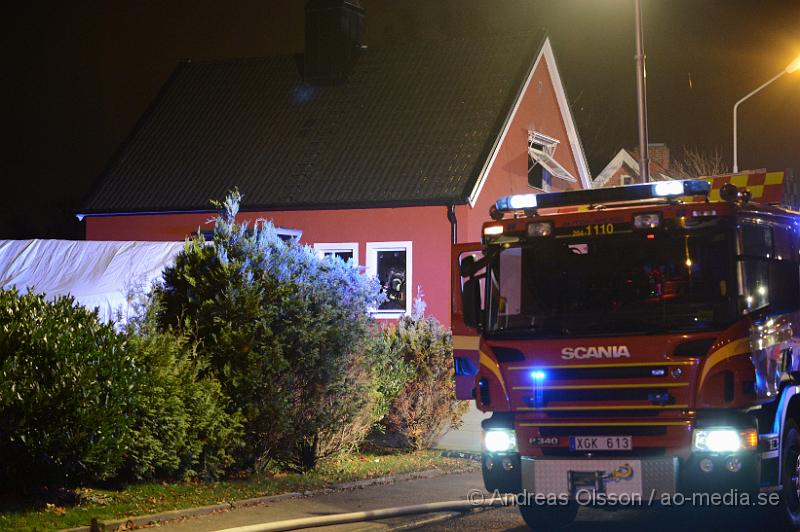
(645, 390)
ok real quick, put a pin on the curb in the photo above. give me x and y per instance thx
(127, 523)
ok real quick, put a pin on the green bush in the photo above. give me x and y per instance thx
(390, 371)
(426, 406)
(68, 386)
(81, 402)
(284, 332)
(181, 428)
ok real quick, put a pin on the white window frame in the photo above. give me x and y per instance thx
(331, 247)
(541, 150)
(372, 269)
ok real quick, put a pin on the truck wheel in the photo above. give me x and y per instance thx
(790, 474)
(548, 517)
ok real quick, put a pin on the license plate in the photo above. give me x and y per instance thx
(600, 443)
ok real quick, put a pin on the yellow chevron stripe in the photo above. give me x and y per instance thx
(492, 366)
(735, 348)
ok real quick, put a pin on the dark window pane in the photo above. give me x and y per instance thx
(392, 275)
(344, 255)
(756, 283)
(756, 240)
(535, 173)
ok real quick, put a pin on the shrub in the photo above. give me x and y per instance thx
(181, 428)
(68, 385)
(81, 402)
(426, 407)
(390, 371)
(283, 332)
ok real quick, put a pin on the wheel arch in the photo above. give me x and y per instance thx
(788, 408)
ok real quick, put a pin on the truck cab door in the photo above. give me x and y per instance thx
(466, 339)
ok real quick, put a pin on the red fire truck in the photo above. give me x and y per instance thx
(642, 344)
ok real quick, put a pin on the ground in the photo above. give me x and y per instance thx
(454, 487)
(57, 509)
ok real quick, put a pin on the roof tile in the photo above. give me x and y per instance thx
(412, 124)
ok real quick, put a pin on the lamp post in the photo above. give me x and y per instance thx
(641, 97)
(793, 66)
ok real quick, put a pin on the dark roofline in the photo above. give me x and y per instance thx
(504, 122)
(117, 155)
(475, 175)
(441, 202)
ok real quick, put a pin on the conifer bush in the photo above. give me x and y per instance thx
(284, 332)
(181, 427)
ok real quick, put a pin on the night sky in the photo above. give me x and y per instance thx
(76, 76)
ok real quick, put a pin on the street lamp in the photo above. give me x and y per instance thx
(793, 66)
(641, 97)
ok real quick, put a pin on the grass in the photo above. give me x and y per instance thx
(148, 498)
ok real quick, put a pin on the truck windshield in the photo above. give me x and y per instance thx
(642, 282)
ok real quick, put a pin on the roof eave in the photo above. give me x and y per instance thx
(434, 202)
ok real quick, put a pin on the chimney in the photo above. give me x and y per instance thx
(334, 35)
(659, 154)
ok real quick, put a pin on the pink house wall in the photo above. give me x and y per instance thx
(538, 111)
(427, 227)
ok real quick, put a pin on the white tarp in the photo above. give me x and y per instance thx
(98, 274)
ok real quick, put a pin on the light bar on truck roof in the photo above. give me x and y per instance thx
(660, 189)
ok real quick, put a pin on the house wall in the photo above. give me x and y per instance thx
(617, 179)
(508, 174)
(427, 227)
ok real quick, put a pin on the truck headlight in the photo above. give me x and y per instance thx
(724, 440)
(500, 440)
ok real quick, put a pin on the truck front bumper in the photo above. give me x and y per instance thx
(582, 477)
(645, 477)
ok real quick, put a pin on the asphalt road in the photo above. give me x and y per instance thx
(457, 487)
(652, 520)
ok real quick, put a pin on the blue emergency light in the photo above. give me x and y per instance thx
(661, 189)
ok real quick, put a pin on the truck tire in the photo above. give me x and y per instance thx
(548, 517)
(790, 475)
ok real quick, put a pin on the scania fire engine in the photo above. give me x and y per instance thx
(638, 340)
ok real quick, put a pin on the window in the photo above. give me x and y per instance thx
(552, 288)
(542, 167)
(390, 262)
(627, 180)
(768, 273)
(756, 249)
(538, 177)
(345, 251)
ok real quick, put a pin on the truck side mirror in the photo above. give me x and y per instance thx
(471, 302)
